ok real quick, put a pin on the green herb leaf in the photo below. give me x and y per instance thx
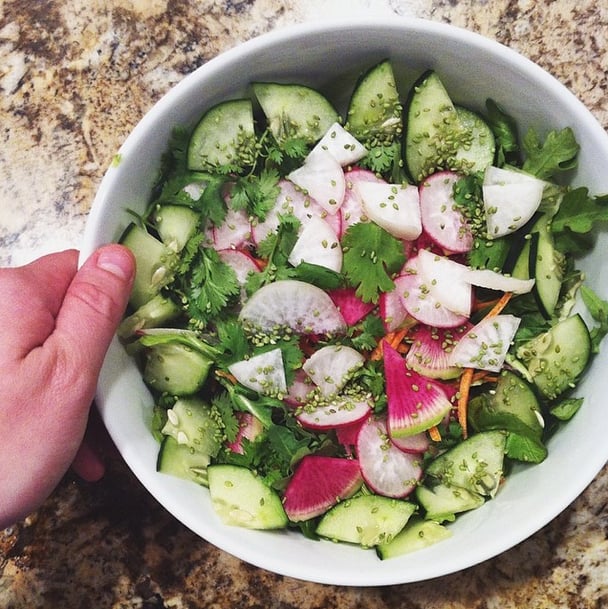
(504, 128)
(598, 308)
(557, 153)
(525, 448)
(256, 194)
(371, 256)
(566, 409)
(580, 213)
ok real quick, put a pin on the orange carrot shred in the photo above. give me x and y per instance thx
(501, 303)
(463, 398)
(435, 434)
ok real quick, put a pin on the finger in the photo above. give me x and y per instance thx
(88, 464)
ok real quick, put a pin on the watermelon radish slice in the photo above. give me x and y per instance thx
(250, 428)
(351, 210)
(441, 219)
(322, 177)
(386, 469)
(431, 348)
(394, 207)
(341, 410)
(343, 146)
(353, 309)
(263, 373)
(510, 199)
(234, 232)
(485, 346)
(319, 483)
(418, 300)
(289, 303)
(347, 434)
(444, 277)
(332, 366)
(317, 244)
(485, 278)
(416, 444)
(415, 403)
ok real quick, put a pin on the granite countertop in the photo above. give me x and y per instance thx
(75, 78)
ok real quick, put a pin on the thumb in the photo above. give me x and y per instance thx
(94, 304)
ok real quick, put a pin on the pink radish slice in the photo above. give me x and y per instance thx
(353, 309)
(241, 261)
(332, 366)
(347, 434)
(416, 444)
(386, 469)
(298, 393)
(341, 410)
(430, 350)
(351, 210)
(234, 232)
(250, 428)
(441, 219)
(418, 301)
(415, 403)
(318, 483)
(392, 311)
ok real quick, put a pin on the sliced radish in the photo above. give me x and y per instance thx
(343, 146)
(386, 469)
(234, 232)
(317, 244)
(319, 483)
(250, 427)
(347, 434)
(510, 199)
(441, 219)
(353, 309)
(444, 278)
(394, 207)
(392, 311)
(322, 177)
(416, 444)
(486, 344)
(241, 261)
(289, 303)
(415, 403)
(341, 410)
(332, 366)
(298, 392)
(431, 348)
(418, 301)
(263, 373)
(351, 210)
(485, 278)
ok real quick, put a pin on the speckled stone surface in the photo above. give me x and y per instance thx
(75, 77)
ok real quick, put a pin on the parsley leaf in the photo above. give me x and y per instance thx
(371, 256)
(557, 153)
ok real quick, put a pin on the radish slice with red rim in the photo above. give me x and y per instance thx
(341, 410)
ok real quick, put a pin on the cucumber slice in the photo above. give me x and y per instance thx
(480, 152)
(181, 461)
(416, 535)
(242, 499)
(367, 520)
(224, 138)
(476, 464)
(154, 262)
(434, 133)
(295, 111)
(444, 501)
(153, 314)
(375, 113)
(175, 225)
(190, 423)
(556, 359)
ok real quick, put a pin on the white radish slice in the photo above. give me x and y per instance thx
(386, 469)
(394, 207)
(317, 244)
(485, 278)
(351, 210)
(242, 264)
(322, 177)
(331, 367)
(499, 176)
(444, 277)
(341, 411)
(392, 310)
(441, 219)
(343, 146)
(416, 444)
(264, 373)
(289, 303)
(234, 232)
(298, 393)
(418, 301)
(485, 346)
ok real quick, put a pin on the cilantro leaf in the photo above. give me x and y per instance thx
(366, 333)
(598, 309)
(371, 256)
(223, 411)
(256, 194)
(579, 212)
(567, 408)
(233, 340)
(557, 153)
(505, 133)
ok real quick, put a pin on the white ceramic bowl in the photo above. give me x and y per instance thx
(473, 68)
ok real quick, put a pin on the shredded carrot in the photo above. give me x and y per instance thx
(435, 434)
(397, 338)
(501, 303)
(227, 376)
(463, 398)
(394, 339)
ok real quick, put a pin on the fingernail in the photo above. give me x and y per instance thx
(116, 260)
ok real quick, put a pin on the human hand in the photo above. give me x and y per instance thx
(56, 323)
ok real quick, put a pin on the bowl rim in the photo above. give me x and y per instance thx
(217, 63)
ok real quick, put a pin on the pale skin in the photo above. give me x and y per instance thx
(56, 323)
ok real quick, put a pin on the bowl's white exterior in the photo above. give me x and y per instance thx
(473, 68)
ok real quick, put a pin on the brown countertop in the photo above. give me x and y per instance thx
(75, 78)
